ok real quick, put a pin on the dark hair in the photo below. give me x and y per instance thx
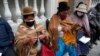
(79, 4)
(97, 6)
(63, 6)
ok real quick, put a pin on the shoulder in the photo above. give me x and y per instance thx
(2, 20)
(54, 16)
(22, 27)
(93, 11)
(73, 17)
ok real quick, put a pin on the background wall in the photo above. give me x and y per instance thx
(21, 4)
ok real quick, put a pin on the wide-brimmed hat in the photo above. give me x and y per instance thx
(28, 10)
(63, 6)
(82, 8)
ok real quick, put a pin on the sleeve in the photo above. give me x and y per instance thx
(9, 31)
(40, 28)
(44, 32)
(92, 21)
(20, 38)
(68, 24)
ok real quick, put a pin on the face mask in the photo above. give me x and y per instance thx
(63, 16)
(80, 14)
(30, 23)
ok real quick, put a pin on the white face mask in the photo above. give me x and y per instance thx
(80, 13)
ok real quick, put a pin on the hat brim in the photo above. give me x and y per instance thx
(81, 10)
(29, 13)
(63, 8)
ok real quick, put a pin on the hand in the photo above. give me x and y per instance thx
(30, 40)
(64, 29)
(42, 36)
(76, 26)
(39, 28)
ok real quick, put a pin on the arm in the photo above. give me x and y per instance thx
(93, 19)
(21, 38)
(42, 33)
(97, 23)
(9, 31)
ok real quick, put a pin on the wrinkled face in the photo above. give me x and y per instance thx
(63, 14)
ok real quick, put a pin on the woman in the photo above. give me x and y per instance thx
(29, 31)
(80, 17)
(60, 29)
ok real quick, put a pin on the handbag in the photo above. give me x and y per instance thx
(47, 50)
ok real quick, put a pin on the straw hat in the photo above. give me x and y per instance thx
(28, 10)
(82, 8)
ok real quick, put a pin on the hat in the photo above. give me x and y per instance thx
(63, 6)
(82, 8)
(97, 6)
(28, 10)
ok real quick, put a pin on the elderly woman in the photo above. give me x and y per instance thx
(80, 17)
(29, 31)
(61, 31)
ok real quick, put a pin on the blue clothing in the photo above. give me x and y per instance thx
(71, 50)
(65, 48)
(6, 35)
(61, 50)
(82, 49)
